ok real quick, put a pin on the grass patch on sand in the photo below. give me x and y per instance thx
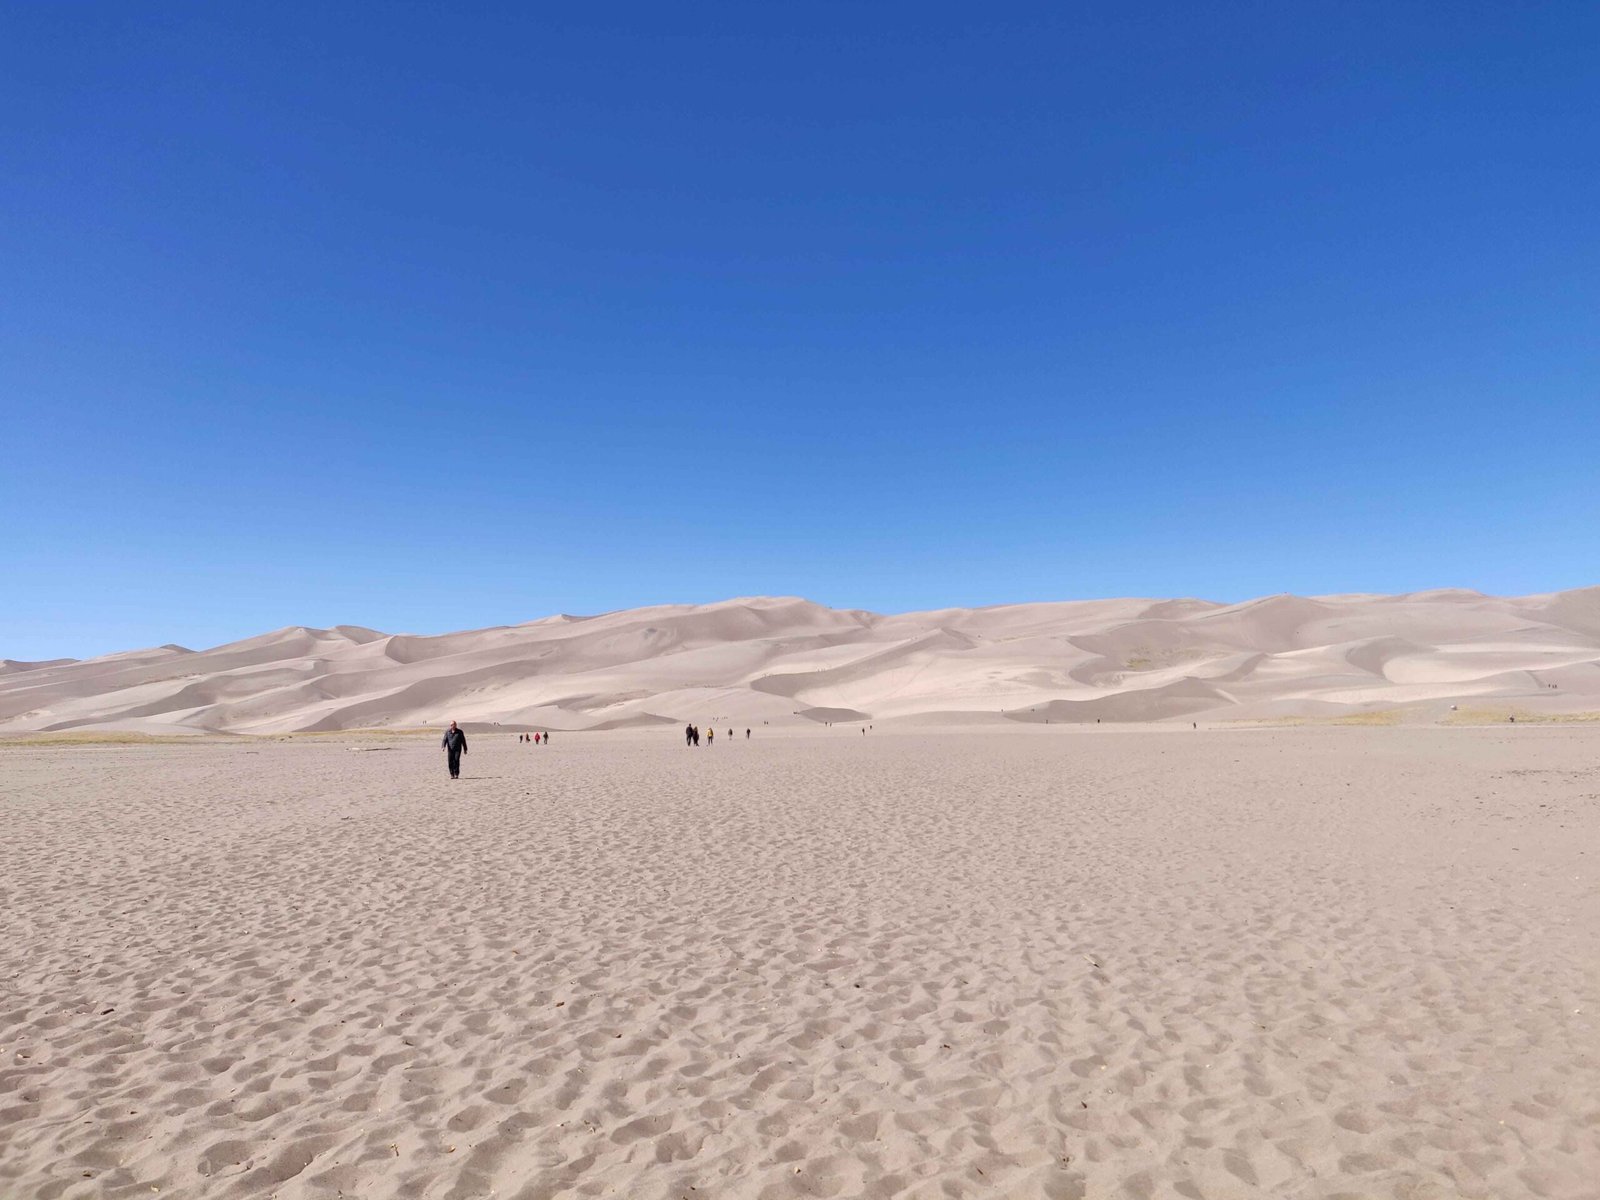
(1505, 714)
(111, 737)
(1143, 658)
(376, 731)
(1381, 716)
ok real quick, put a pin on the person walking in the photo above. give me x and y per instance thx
(688, 735)
(454, 746)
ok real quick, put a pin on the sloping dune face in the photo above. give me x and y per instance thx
(772, 660)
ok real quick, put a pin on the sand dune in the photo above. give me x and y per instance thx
(786, 659)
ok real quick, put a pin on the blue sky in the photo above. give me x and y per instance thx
(428, 317)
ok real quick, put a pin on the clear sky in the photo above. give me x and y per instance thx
(429, 316)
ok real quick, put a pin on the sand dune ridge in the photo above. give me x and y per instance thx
(779, 658)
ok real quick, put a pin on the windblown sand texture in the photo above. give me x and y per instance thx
(780, 659)
(1010, 962)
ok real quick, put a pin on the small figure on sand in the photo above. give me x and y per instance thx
(454, 746)
(747, 735)
(711, 736)
(688, 735)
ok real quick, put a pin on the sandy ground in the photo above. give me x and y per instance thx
(999, 963)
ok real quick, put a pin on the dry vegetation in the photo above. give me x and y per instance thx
(1503, 714)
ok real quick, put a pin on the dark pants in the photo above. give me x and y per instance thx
(455, 763)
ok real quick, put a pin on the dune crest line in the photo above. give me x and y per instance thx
(782, 659)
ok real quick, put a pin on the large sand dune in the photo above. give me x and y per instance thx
(780, 659)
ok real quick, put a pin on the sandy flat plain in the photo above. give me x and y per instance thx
(1029, 962)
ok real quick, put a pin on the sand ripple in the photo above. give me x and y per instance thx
(1314, 963)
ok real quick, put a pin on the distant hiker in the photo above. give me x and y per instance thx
(711, 736)
(730, 735)
(546, 737)
(747, 735)
(536, 739)
(688, 735)
(454, 746)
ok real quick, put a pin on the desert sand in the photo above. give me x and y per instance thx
(1010, 961)
(784, 659)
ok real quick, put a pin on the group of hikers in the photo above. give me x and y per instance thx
(454, 743)
(691, 735)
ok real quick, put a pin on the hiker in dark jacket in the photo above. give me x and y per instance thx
(454, 745)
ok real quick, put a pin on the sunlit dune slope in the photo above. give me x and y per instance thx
(766, 659)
